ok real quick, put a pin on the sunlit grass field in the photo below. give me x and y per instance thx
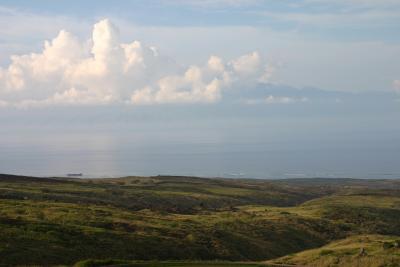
(359, 250)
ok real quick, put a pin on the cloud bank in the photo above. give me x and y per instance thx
(103, 70)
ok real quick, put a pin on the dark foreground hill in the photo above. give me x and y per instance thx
(54, 221)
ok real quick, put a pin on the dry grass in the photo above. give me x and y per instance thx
(362, 251)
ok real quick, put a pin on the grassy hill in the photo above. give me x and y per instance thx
(360, 250)
(51, 221)
(121, 263)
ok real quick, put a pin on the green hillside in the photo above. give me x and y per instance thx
(120, 263)
(360, 250)
(53, 221)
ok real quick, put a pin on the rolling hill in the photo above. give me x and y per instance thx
(62, 221)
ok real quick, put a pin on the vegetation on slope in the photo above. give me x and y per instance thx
(121, 263)
(362, 250)
(63, 221)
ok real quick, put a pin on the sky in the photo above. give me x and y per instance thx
(286, 77)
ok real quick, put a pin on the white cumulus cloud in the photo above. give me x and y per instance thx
(271, 99)
(283, 99)
(102, 70)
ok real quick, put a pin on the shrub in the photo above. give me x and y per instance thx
(325, 252)
(98, 263)
(387, 245)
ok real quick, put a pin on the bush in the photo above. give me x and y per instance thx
(387, 245)
(98, 263)
(325, 252)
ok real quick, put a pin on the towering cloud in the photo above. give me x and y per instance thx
(103, 71)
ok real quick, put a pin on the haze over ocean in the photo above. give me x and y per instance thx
(231, 141)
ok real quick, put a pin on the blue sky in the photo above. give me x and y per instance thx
(336, 19)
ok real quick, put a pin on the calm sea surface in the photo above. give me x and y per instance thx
(266, 144)
(110, 154)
